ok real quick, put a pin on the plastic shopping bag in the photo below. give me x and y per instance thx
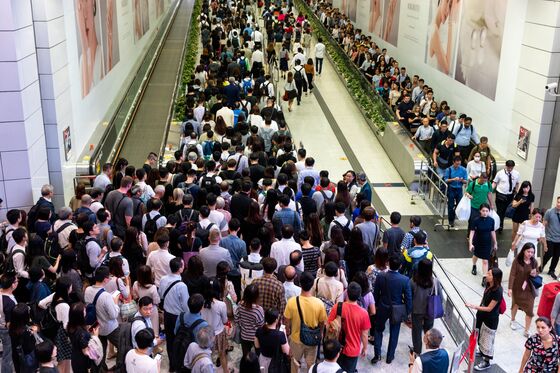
(463, 209)
(494, 215)
(510, 257)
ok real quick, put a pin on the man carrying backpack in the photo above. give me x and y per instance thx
(139, 360)
(94, 254)
(106, 309)
(199, 354)
(16, 264)
(250, 267)
(14, 219)
(187, 326)
(300, 78)
(153, 220)
(341, 220)
(174, 296)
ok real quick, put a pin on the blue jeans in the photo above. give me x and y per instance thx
(7, 363)
(347, 363)
(319, 65)
(454, 195)
(394, 330)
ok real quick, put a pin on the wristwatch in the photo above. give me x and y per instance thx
(410, 364)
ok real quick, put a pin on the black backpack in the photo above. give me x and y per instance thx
(125, 339)
(183, 338)
(150, 228)
(52, 247)
(82, 256)
(49, 324)
(9, 267)
(345, 229)
(298, 76)
(32, 217)
(203, 233)
(4, 240)
(208, 182)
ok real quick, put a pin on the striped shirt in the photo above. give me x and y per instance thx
(249, 320)
(310, 256)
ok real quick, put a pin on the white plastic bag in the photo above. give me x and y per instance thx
(494, 215)
(509, 258)
(463, 209)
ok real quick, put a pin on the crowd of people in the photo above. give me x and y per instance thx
(242, 241)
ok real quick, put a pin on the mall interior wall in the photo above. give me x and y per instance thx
(61, 83)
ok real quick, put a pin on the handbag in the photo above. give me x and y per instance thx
(128, 307)
(307, 335)
(435, 303)
(536, 281)
(494, 215)
(286, 97)
(510, 211)
(398, 311)
(463, 209)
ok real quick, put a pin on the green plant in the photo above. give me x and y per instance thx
(370, 103)
(189, 60)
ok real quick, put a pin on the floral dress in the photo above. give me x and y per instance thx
(542, 360)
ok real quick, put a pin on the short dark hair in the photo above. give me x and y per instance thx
(510, 163)
(13, 216)
(195, 303)
(101, 274)
(116, 244)
(395, 217)
(102, 215)
(175, 264)
(145, 338)
(331, 269)
(44, 351)
(234, 224)
(287, 231)
(354, 291)
(6, 281)
(271, 315)
(340, 207)
(416, 220)
(269, 265)
(420, 237)
(145, 301)
(331, 348)
(395, 262)
(18, 235)
(306, 280)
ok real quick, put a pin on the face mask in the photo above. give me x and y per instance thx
(477, 159)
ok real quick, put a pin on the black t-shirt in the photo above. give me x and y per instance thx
(404, 108)
(270, 340)
(8, 305)
(393, 237)
(445, 153)
(491, 318)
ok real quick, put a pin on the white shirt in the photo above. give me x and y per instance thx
(319, 50)
(281, 250)
(95, 206)
(326, 367)
(159, 261)
(216, 316)
(139, 363)
(257, 57)
(291, 290)
(502, 181)
(218, 219)
(342, 220)
(257, 36)
(101, 181)
(474, 169)
(227, 115)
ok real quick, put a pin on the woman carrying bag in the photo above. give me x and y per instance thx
(488, 316)
(521, 288)
(272, 343)
(542, 350)
(423, 285)
(290, 90)
(531, 231)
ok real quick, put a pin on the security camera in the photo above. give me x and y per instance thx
(552, 88)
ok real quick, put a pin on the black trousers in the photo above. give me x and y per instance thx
(169, 321)
(552, 253)
(113, 337)
(502, 202)
(465, 151)
(420, 323)
(299, 87)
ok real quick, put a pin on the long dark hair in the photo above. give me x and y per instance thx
(523, 185)
(250, 295)
(76, 318)
(521, 256)
(361, 279)
(497, 276)
(314, 229)
(62, 290)
(423, 276)
(381, 258)
(19, 320)
(144, 276)
(211, 289)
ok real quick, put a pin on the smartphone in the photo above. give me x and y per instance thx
(162, 335)
(116, 293)
(157, 357)
(410, 350)
(95, 325)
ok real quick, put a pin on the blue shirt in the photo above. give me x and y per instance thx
(463, 135)
(177, 298)
(452, 172)
(288, 216)
(237, 249)
(189, 319)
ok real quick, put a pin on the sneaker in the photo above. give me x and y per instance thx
(553, 275)
(473, 271)
(483, 365)
(513, 325)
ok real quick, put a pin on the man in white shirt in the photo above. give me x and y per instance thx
(331, 352)
(216, 217)
(96, 198)
(281, 250)
(159, 259)
(319, 55)
(505, 184)
(64, 219)
(299, 56)
(340, 219)
(154, 206)
(138, 360)
(18, 253)
(257, 36)
(199, 111)
(104, 178)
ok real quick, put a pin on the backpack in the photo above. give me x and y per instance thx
(82, 256)
(184, 220)
(91, 312)
(32, 217)
(246, 85)
(4, 240)
(107, 258)
(150, 228)
(244, 105)
(207, 181)
(49, 324)
(315, 367)
(235, 42)
(264, 88)
(249, 271)
(203, 233)
(125, 339)
(298, 76)
(52, 247)
(334, 328)
(9, 267)
(28, 362)
(207, 149)
(329, 304)
(183, 338)
(345, 229)
(325, 200)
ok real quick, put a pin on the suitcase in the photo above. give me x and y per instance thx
(548, 294)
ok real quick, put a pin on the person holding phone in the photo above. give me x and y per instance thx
(435, 359)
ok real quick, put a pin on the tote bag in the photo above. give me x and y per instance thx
(435, 303)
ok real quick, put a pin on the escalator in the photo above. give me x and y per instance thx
(141, 122)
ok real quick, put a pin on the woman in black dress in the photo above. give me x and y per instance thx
(482, 240)
(523, 204)
(79, 338)
(488, 316)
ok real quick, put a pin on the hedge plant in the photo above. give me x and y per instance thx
(359, 88)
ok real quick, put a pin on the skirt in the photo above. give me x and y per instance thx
(63, 345)
(221, 342)
(486, 339)
(283, 64)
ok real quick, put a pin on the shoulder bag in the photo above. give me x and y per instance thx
(398, 311)
(435, 304)
(307, 335)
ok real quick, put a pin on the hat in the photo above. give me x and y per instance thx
(361, 176)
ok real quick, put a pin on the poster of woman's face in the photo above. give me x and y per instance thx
(441, 48)
(391, 21)
(375, 24)
(480, 45)
(141, 17)
(109, 33)
(352, 5)
(88, 40)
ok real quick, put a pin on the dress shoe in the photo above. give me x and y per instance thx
(389, 360)
(375, 359)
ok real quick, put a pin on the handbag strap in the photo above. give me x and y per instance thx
(435, 287)
(299, 311)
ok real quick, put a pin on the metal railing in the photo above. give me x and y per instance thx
(433, 190)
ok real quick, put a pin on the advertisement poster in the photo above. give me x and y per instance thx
(443, 35)
(523, 142)
(375, 23)
(67, 143)
(352, 6)
(98, 45)
(391, 13)
(480, 45)
(141, 15)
